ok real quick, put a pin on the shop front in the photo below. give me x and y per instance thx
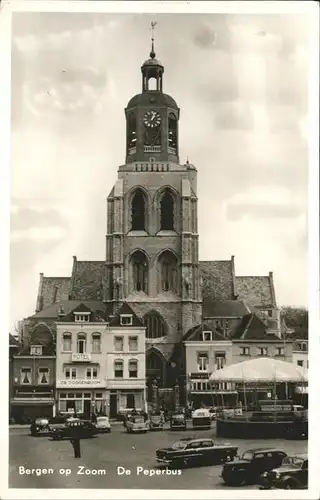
(125, 400)
(86, 398)
(28, 404)
(202, 393)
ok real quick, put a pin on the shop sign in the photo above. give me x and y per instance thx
(76, 383)
(81, 357)
(199, 376)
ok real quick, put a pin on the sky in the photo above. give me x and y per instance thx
(241, 83)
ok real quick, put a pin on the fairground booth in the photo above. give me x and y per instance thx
(272, 395)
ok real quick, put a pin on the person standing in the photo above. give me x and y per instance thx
(75, 439)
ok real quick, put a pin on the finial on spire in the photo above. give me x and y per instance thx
(152, 53)
(187, 162)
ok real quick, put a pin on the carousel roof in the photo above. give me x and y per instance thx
(261, 370)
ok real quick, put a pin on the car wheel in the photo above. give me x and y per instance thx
(287, 486)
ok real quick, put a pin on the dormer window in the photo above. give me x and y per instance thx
(82, 317)
(207, 336)
(126, 319)
(36, 350)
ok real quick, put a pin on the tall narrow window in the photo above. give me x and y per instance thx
(167, 212)
(133, 368)
(172, 134)
(168, 269)
(138, 212)
(131, 133)
(81, 343)
(139, 272)
(118, 368)
(66, 346)
(203, 361)
(96, 342)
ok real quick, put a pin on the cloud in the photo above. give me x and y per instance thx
(24, 218)
(236, 211)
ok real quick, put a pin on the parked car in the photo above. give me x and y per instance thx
(85, 429)
(137, 424)
(178, 421)
(189, 451)
(201, 419)
(291, 475)
(40, 426)
(213, 413)
(103, 425)
(253, 463)
(156, 422)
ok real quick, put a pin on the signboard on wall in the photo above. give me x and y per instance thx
(84, 357)
(199, 376)
(79, 384)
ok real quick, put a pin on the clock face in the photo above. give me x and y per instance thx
(152, 119)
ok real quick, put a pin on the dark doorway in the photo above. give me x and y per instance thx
(113, 406)
(87, 408)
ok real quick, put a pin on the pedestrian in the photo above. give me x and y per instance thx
(76, 447)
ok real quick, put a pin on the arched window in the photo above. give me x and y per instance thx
(133, 368)
(138, 212)
(155, 326)
(81, 343)
(96, 342)
(154, 361)
(67, 342)
(131, 132)
(172, 134)
(168, 272)
(139, 272)
(167, 211)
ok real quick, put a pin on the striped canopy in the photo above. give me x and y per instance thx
(261, 370)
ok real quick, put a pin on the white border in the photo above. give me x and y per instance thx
(249, 7)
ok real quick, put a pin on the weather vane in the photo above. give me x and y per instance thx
(152, 53)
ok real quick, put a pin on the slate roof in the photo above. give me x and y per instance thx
(217, 279)
(195, 334)
(87, 280)
(223, 308)
(257, 291)
(98, 312)
(253, 328)
(12, 341)
(125, 309)
(68, 306)
(52, 289)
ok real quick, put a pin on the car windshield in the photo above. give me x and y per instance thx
(41, 421)
(178, 417)
(247, 455)
(293, 462)
(138, 420)
(102, 420)
(178, 445)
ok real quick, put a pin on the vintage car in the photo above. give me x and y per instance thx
(103, 425)
(192, 452)
(201, 419)
(137, 424)
(40, 427)
(291, 475)
(250, 466)
(156, 422)
(178, 421)
(213, 413)
(81, 428)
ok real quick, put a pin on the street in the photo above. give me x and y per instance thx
(104, 454)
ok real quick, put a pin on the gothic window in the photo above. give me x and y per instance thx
(167, 211)
(138, 212)
(139, 272)
(131, 132)
(168, 270)
(81, 343)
(155, 326)
(172, 133)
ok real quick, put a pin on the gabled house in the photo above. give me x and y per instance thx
(206, 350)
(33, 377)
(254, 338)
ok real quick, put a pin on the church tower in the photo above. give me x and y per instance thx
(152, 235)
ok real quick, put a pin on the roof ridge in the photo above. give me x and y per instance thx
(248, 324)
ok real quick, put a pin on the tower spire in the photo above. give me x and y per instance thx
(152, 53)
